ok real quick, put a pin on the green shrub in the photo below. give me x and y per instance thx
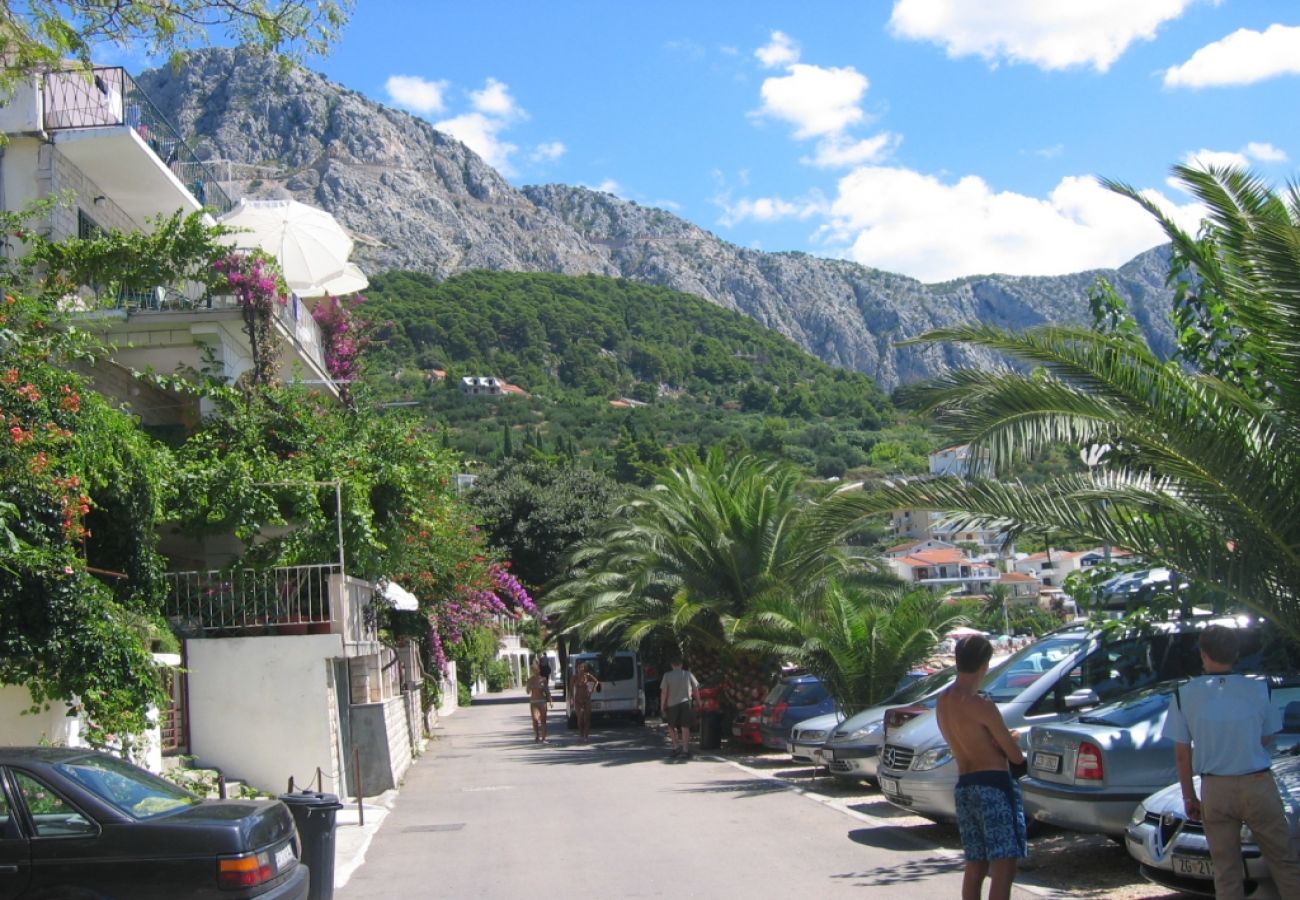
(498, 676)
(463, 697)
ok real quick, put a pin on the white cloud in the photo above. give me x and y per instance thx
(1265, 152)
(608, 186)
(1050, 152)
(779, 52)
(416, 94)
(1055, 35)
(769, 209)
(837, 152)
(816, 101)
(1243, 57)
(549, 151)
(905, 221)
(481, 134)
(494, 99)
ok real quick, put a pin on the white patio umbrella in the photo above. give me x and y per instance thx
(309, 243)
(351, 281)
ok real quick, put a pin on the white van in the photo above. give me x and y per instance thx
(622, 684)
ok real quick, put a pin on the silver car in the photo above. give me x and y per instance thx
(807, 737)
(1173, 852)
(853, 749)
(1067, 670)
(1089, 773)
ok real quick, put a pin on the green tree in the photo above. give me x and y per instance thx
(859, 642)
(43, 33)
(687, 559)
(1201, 463)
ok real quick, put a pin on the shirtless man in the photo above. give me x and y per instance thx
(989, 811)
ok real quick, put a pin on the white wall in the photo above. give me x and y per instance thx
(261, 708)
(20, 728)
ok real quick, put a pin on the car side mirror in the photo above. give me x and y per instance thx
(1081, 697)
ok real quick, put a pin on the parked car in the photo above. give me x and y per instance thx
(1172, 851)
(807, 738)
(622, 685)
(853, 749)
(744, 728)
(77, 823)
(1076, 667)
(1087, 774)
(793, 699)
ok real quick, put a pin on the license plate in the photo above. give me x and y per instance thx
(889, 786)
(828, 755)
(1200, 866)
(1049, 762)
(283, 857)
(789, 748)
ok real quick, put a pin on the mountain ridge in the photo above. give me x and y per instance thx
(418, 199)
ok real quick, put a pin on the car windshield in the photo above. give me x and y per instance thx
(1139, 706)
(922, 687)
(616, 668)
(139, 794)
(1009, 680)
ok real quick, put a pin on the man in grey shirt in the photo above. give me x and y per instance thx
(1221, 725)
(676, 691)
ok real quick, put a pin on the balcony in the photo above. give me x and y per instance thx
(286, 600)
(105, 125)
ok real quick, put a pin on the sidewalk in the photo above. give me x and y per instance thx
(352, 839)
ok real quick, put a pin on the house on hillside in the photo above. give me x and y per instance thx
(289, 655)
(481, 386)
(945, 570)
(921, 524)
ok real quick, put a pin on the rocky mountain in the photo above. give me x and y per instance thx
(418, 199)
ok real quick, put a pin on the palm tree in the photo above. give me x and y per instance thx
(1201, 470)
(691, 556)
(859, 642)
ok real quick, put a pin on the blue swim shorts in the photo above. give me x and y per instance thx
(990, 816)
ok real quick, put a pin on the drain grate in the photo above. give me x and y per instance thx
(452, 826)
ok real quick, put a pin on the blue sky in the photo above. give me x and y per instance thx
(936, 138)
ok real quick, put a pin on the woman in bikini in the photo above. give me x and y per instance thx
(583, 687)
(539, 700)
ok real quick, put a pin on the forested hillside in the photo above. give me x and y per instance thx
(696, 374)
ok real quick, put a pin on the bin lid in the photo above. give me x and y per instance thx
(312, 798)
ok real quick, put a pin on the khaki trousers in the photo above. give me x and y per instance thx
(1226, 802)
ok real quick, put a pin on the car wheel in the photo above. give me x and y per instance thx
(639, 718)
(571, 721)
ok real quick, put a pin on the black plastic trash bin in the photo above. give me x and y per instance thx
(313, 814)
(710, 730)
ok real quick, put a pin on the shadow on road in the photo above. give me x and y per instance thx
(910, 870)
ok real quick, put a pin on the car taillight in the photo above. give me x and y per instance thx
(777, 712)
(1088, 765)
(245, 871)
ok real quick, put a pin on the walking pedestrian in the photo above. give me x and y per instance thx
(584, 683)
(539, 701)
(677, 691)
(1221, 725)
(990, 814)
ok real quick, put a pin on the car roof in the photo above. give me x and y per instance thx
(47, 755)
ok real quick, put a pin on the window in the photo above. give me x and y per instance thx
(52, 816)
(87, 227)
(616, 668)
(139, 794)
(806, 694)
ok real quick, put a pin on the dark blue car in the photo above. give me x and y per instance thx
(795, 698)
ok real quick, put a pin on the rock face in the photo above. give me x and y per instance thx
(417, 199)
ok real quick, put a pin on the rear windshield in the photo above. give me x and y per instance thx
(1140, 706)
(614, 668)
(139, 794)
(805, 693)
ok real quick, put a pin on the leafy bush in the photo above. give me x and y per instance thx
(498, 676)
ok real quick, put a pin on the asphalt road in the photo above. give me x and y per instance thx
(486, 812)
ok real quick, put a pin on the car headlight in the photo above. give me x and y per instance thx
(1139, 815)
(866, 731)
(931, 759)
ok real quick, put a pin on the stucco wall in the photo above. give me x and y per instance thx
(19, 728)
(380, 732)
(260, 708)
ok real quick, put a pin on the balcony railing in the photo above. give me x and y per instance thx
(107, 95)
(290, 599)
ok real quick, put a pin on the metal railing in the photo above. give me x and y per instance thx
(284, 600)
(107, 95)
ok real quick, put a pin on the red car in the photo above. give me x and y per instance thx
(745, 727)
